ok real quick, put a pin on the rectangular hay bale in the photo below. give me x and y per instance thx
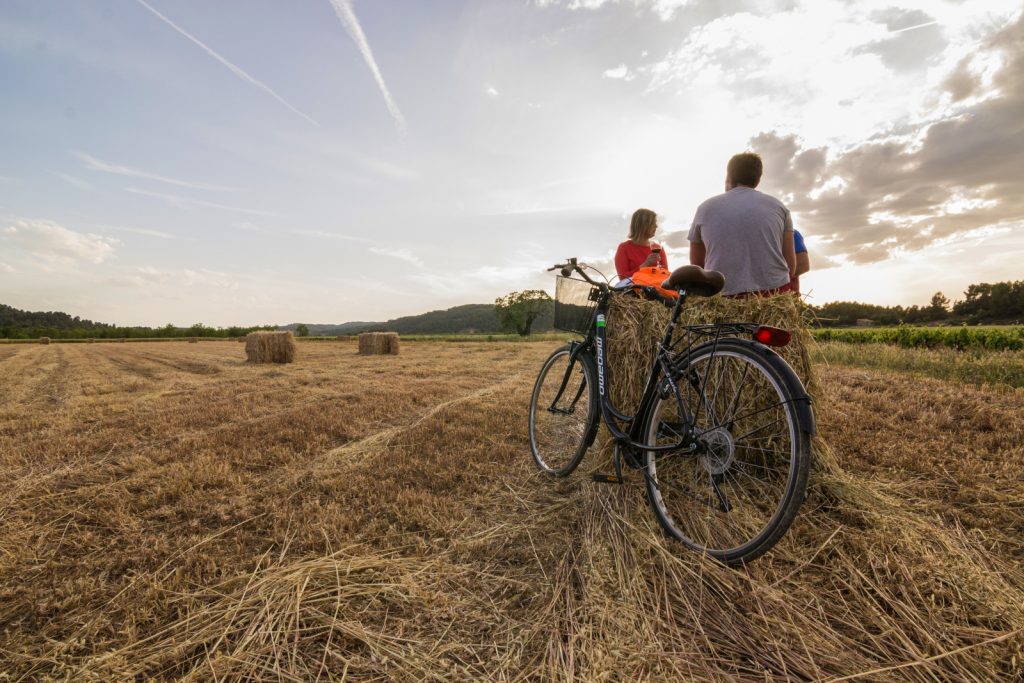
(378, 343)
(270, 347)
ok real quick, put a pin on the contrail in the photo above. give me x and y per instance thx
(343, 8)
(234, 69)
(916, 26)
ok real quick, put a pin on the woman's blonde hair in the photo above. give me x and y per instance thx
(641, 223)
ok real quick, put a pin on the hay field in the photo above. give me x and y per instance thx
(169, 512)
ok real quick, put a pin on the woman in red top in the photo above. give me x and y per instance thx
(639, 251)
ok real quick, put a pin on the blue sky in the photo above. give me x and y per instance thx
(330, 160)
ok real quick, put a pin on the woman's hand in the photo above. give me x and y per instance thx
(652, 259)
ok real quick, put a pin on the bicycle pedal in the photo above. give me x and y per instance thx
(602, 478)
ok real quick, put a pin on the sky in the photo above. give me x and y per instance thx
(323, 161)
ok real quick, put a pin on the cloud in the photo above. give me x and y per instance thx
(148, 232)
(237, 70)
(492, 91)
(147, 276)
(77, 182)
(901, 194)
(57, 244)
(185, 202)
(665, 9)
(328, 235)
(343, 8)
(94, 164)
(7, 268)
(621, 72)
(401, 254)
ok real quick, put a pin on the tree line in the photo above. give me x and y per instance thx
(19, 324)
(1002, 302)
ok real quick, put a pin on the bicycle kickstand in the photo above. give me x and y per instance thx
(604, 478)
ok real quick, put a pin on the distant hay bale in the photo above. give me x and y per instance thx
(122, 340)
(193, 340)
(90, 340)
(378, 343)
(44, 340)
(270, 347)
(240, 339)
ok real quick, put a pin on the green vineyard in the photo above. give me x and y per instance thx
(995, 338)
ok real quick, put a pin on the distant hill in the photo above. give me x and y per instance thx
(463, 319)
(16, 319)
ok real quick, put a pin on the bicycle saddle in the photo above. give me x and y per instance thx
(695, 280)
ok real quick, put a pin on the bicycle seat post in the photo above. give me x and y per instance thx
(676, 309)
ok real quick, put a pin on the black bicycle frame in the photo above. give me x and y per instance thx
(661, 368)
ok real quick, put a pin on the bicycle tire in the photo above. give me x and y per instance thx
(560, 435)
(736, 500)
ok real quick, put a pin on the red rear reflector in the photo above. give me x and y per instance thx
(772, 336)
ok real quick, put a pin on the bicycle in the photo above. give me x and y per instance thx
(722, 430)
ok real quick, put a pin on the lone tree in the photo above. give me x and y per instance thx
(301, 330)
(939, 306)
(516, 311)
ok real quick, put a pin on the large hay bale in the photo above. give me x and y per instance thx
(635, 326)
(270, 347)
(193, 340)
(44, 340)
(378, 343)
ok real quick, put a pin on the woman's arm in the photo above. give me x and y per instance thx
(622, 268)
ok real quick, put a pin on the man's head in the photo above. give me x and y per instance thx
(743, 169)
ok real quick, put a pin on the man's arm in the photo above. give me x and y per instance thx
(789, 252)
(697, 253)
(803, 263)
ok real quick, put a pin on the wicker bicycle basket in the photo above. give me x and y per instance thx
(575, 304)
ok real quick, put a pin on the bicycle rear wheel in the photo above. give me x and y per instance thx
(563, 412)
(739, 493)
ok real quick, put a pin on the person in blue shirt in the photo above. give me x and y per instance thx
(803, 261)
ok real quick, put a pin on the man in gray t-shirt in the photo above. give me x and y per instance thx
(744, 234)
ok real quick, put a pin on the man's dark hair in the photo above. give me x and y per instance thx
(745, 169)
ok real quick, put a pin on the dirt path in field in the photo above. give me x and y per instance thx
(382, 517)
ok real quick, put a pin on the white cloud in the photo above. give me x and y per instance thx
(148, 232)
(492, 91)
(237, 70)
(401, 254)
(73, 180)
(185, 202)
(343, 8)
(150, 276)
(54, 243)
(621, 72)
(7, 268)
(94, 164)
(665, 9)
(328, 235)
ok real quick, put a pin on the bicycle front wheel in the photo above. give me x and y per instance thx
(563, 411)
(738, 493)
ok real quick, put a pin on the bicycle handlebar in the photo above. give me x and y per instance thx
(571, 266)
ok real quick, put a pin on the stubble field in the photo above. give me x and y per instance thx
(169, 512)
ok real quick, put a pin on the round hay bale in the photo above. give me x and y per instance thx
(193, 340)
(44, 340)
(90, 340)
(378, 343)
(270, 347)
(122, 340)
